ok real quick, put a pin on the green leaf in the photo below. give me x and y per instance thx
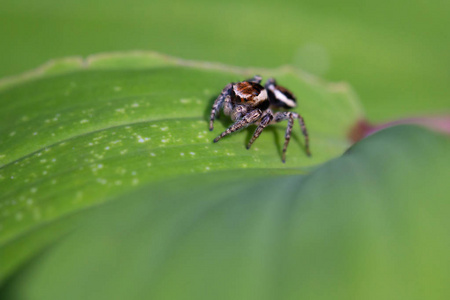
(372, 224)
(78, 132)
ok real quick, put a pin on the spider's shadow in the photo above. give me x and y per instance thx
(275, 130)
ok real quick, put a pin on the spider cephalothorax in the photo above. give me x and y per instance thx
(248, 102)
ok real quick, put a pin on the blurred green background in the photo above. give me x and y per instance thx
(394, 53)
(372, 224)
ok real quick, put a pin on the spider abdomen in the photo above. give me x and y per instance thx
(280, 96)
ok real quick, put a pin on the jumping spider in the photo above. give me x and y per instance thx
(248, 102)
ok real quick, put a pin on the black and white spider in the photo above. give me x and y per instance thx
(248, 102)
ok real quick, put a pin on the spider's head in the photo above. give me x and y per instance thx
(280, 96)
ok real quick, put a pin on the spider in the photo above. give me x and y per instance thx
(248, 102)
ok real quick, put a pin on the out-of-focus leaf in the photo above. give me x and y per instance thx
(77, 132)
(394, 53)
(372, 224)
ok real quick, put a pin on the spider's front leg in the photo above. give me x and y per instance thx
(265, 120)
(248, 119)
(290, 116)
(223, 97)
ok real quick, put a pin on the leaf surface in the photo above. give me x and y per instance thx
(78, 132)
(372, 224)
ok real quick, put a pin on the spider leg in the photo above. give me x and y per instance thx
(248, 119)
(255, 78)
(238, 112)
(264, 122)
(227, 106)
(281, 116)
(305, 132)
(290, 116)
(225, 94)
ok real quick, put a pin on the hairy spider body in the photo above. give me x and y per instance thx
(248, 102)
